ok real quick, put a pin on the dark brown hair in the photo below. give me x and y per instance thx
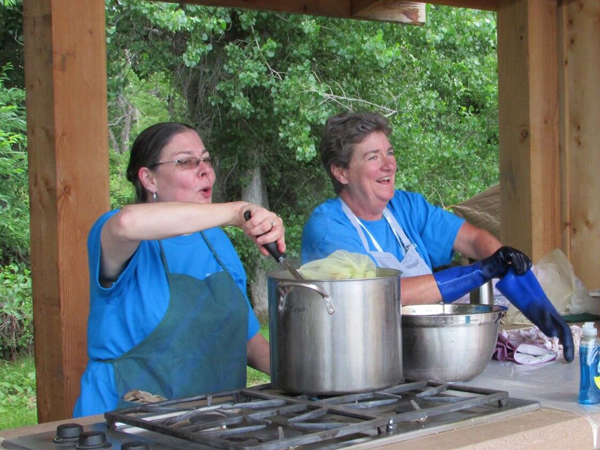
(342, 132)
(146, 151)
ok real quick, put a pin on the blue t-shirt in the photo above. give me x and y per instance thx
(126, 313)
(430, 228)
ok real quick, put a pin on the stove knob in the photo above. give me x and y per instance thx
(68, 432)
(92, 440)
(136, 445)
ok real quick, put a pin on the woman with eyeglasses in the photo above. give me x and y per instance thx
(169, 313)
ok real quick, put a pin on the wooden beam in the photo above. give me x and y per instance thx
(579, 37)
(399, 11)
(382, 10)
(67, 131)
(336, 9)
(528, 115)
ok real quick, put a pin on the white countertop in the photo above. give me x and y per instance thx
(555, 385)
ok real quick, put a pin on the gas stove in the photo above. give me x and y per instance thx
(263, 418)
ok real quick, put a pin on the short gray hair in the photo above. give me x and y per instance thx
(341, 134)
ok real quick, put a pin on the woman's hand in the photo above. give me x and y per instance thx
(263, 227)
(496, 265)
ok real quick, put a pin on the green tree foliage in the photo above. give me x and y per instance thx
(14, 198)
(16, 312)
(11, 41)
(448, 132)
(260, 86)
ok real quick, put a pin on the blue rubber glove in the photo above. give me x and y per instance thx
(527, 295)
(457, 281)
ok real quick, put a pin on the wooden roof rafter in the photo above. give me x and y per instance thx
(398, 11)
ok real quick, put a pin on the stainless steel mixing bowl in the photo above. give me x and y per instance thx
(448, 342)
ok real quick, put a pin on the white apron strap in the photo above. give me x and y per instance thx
(359, 227)
(412, 264)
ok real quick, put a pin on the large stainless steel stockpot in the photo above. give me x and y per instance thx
(333, 337)
(448, 342)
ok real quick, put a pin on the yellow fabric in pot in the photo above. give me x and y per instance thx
(340, 265)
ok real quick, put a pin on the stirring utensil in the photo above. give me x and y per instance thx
(281, 258)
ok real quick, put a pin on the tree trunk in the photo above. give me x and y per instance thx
(129, 113)
(256, 192)
(127, 117)
(113, 140)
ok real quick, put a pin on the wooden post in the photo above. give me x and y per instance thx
(67, 129)
(528, 115)
(579, 39)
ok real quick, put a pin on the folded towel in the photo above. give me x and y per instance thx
(517, 350)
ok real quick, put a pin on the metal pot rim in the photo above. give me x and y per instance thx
(284, 275)
(475, 314)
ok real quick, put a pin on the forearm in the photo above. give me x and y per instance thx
(258, 353)
(122, 233)
(151, 221)
(475, 243)
(419, 290)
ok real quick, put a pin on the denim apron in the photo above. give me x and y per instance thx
(412, 264)
(198, 347)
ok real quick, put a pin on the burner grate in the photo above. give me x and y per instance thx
(251, 419)
(264, 418)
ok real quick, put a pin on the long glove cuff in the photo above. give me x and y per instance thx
(457, 281)
(525, 292)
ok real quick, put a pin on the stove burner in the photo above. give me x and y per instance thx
(91, 440)
(68, 432)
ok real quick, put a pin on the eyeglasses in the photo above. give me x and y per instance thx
(190, 162)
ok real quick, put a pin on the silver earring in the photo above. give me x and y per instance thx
(154, 196)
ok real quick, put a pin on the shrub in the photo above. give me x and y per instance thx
(16, 311)
(14, 199)
(17, 393)
(121, 190)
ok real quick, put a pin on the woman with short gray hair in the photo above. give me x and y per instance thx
(342, 132)
(401, 230)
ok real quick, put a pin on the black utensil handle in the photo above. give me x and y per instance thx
(271, 246)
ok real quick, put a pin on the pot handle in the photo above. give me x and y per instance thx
(314, 287)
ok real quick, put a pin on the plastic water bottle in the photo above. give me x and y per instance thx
(589, 379)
